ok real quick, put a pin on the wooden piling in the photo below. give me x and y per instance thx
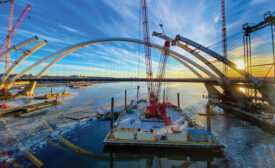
(111, 160)
(163, 96)
(178, 100)
(125, 100)
(209, 109)
(137, 92)
(112, 113)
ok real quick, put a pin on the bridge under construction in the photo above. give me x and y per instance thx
(147, 122)
(259, 88)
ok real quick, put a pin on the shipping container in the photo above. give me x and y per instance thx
(124, 133)
(181, 137)
(196, 135)
(145, 135)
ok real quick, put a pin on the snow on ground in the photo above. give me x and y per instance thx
(134, 120)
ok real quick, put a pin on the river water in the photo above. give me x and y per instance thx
(246, 144)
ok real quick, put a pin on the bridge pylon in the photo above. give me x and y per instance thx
(28, 89)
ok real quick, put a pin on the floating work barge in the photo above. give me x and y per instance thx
(53, 95)
(132, 128)
(80, 85)
(28, 108)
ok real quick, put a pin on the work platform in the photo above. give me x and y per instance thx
(133, 129)
(16, 111)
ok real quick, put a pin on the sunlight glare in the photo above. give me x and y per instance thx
(242, 90)
(240, 64)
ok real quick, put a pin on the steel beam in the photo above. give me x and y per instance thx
(18, 46)
(80, 45)
(21, 59)
(226, 86)
(197, 55)
(264, 90)
(219, 57)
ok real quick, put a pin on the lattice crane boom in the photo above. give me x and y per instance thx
(14, 29)
(162, 67)
(155, 109)
(224, 36)
(148, 60)
(147, 49)
(9, 37)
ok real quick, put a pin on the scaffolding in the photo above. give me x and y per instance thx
(269, 20)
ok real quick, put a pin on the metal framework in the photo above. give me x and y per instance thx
(197, 55)
(70, 49)
(21, 59)
(219, 57)
(269, 20)
(147, 49)
(18, 46)
(6, 43)
(171, 53)
(257, 83)
(224, 38)
(226, 86)
(9, 36)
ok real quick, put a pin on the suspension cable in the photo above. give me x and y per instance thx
(158, 18)
(228, 37)
(268, 72)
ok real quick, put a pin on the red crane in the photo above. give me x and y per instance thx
(9, 30)
(155, 108)
(6, 44)
(9, 39)
(148, 60)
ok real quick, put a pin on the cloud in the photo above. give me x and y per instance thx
(71, 29)
(126, 10)
(255, 2)
(216, 17)
(237, 52)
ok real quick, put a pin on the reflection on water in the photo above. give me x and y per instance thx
(246, 144)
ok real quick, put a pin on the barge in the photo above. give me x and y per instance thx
(17, 111)
(53, 95)
(80, 85)
(134, 128)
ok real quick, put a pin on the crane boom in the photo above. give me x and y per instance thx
(9, 37)
(154, 109)
(147, 49)
(224, 40)
(14, 29)
(162, 67)
(148, 60)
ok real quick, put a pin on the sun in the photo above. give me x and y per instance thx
(242, 89)
(240, 64)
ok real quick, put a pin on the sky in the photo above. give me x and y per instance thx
(65, 23)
